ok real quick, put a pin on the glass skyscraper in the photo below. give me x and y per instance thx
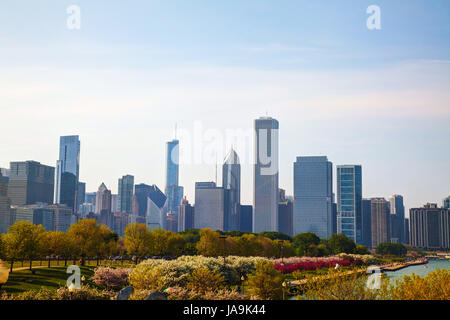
(349, 201)
(174, 192)
(397, 218)
(265, 186)
(313, 194)
(125, 196)
(67, 171)
(231, 180)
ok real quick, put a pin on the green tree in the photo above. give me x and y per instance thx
(202, 280)
(266, 282)
(339, 243)
(53, 244)
(360, 249)
(274, 235)
(394, 249)
(86, 237)
(210, 243)
(303, 241)
(137, 239)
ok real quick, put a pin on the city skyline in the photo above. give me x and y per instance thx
(375, 98)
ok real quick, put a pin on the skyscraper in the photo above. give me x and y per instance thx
(313, 194)
(186, 214)
(446, 202)
(430, 227)
(81, 194)
(156, 209)
(210, 206)
(125, 197)
(103, 200)
(285, 214)
(246, 217)
(67, 171)
(366, 223)
(381, 231)
(141, 192)
(30, 182)
(5, 204)
(174, 192)
(397, 216)
(265, 186)
(349, 201)
(231, 181)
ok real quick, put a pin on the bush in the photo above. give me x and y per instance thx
(85, 293)
(111, 278)
(265, 283)
(303, 266)
(203, 280)
(387, 248)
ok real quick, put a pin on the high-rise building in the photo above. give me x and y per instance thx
(67, 171)
(265, 184)
(313, 194)
(366, 236)
(120, 222)
(397, 216)
(126, 185)
(63, 216)
(285, 214)
(4, 175)
(186, 214)
(231, 181)
(103, 200)
(430, 227)
(446, 202)
(246, 217)
(381, 230)
(141, 192)
(210, 206)
(349, 201)
(115, 203)
(81, 195)
(406, 232)
(156, 209)
(174, 192)
(5, 204)
(30, 182)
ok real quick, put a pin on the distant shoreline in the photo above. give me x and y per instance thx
(396, 267)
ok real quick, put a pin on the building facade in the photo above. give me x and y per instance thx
(173, 191)
(381, 223)
(156, 216)
(246, 218)
(81, 195)
(397, 216)
(186, 216)
(125, 196)
(141, 192)
(429, 227)
(446, 202)
(313, 194)
(349, 201)
(103, 200)
(265, 184)
(5, 206)
(67, 171)
(231, 181)
(210, 206)
(366, 236)
(30, 182)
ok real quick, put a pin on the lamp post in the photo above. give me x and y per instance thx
(284, 286)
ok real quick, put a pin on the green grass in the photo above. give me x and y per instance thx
(52, 279)
(44, 263)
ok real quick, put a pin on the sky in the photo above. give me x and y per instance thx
(134, 69)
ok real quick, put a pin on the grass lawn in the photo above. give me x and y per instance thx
(52, 279)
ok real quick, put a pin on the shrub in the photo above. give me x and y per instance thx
(265, 283)
(303, 266)
(111, 278)
(85, 293)
(203, 280)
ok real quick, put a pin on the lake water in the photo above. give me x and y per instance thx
(420, 270)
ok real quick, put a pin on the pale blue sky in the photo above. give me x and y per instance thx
(377, 98)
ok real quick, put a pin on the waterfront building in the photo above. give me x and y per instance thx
(429, 227)
(381, 226)
(349, 201)
(265, 183)
(397, 216)
(313, 194)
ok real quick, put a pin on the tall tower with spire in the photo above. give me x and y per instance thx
(231, 180)
(174, 192)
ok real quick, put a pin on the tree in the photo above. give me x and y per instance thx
(339, 243)
(303, 241)
(209, 244)
(265, 282)
(23, 241)
(53, 244)
(85, 235)
(274, 235)
(360, 249)
(248, 245)
(137, 239)
(203, 280)
(387, 248)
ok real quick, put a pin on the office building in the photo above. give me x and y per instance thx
(115, 203)
(313, 194)
(366, 231)
(285, 214)
(103, 200)
(446, 202)
(156, 216)
(406, 232)
(381, 226)
(231, 181)
(173, 191)
(349, 201)
(210, 206)
(125, 196)
(5, 206)
(397, 216)
(429, 227)
(265, 183)
(4, 176)
(186, 214)
(30, 182)
(81, 195)
(246, 218)
(141, 192)
(67, 171)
